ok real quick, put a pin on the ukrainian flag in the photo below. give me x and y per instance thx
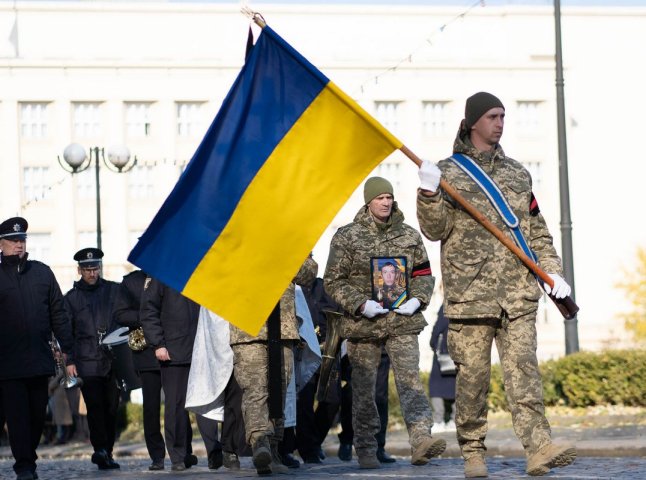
(284, 153)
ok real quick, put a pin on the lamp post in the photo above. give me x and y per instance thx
(571, 326)
(77, 160)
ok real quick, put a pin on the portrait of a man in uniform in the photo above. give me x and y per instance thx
(389, 281)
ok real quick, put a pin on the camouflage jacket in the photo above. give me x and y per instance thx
(481, 276)
(347, 275)
(288, 322)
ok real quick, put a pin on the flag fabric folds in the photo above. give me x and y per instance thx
(283, 154)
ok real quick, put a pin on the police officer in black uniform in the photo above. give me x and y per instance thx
(31, 306)
(126, 313)
(90, 305)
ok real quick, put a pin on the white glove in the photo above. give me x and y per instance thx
(429, 176)
(372, 309)
(409, 307)
(561, 288)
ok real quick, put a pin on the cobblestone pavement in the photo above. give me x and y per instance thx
(604, 452)
(628, 468)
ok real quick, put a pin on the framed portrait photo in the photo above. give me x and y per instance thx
(389, 277)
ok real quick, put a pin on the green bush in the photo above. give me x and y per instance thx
(613, 377)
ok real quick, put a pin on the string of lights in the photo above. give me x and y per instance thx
(427, 41)
(43, 193)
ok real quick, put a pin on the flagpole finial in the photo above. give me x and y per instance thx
(255, 16)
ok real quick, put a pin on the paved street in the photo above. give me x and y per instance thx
(616, 452)
(628, 468)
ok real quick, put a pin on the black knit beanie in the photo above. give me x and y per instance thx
(479, 104)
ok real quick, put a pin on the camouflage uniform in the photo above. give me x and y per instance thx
(490, 294)
(348, 282)
(250, 362)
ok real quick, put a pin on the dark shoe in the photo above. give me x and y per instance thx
(312, 458)
(178, 467)
(345, 452)
(290, 461)
(111, 463)
(215, 459)
(156, 465)
(230, 460)
(261, 456)
(384, 457)
(25, 476)
(101, 459)
(190, 460)
(321, 454)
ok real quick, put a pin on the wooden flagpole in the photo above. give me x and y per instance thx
(566, 305)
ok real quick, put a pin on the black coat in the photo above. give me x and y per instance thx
(91, 309)
(126, 314)
(442, 386)
(31, 307)
(169, 320)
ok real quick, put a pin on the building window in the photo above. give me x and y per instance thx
(33, 119)
(534, 168)
(387, 115)
(390, 171)
(189, 119)
(434, 118)
(86, 121)
(86, 184)
(39, 246)
(140, 182)
(528, 117)
(86, 238)
(35, 183)
(138, 119)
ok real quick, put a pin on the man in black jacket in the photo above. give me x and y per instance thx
(126, 313)
(170, 320)
(32, 307)
(90, 305)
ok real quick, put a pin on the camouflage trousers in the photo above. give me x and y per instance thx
(250, 367)
(470, 343)
(364, 356)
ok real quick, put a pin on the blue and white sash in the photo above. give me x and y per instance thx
(496, 197)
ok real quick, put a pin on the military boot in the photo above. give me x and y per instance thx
(550, 456)
(230, 460)
(368, 461)
(429, 447)
(475, 467)
(277, 465)
(261, 455)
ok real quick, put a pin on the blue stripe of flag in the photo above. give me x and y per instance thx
(267, 98)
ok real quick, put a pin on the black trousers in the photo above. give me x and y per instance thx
(307, 424)
(101, 397)
(25, 403)
(177, 427)
(209, 432)
(151, 387)
(234, 439)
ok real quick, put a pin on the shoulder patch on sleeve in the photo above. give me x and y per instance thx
(533, 206)
(422, 269)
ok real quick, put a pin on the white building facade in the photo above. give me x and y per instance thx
(152, 75)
